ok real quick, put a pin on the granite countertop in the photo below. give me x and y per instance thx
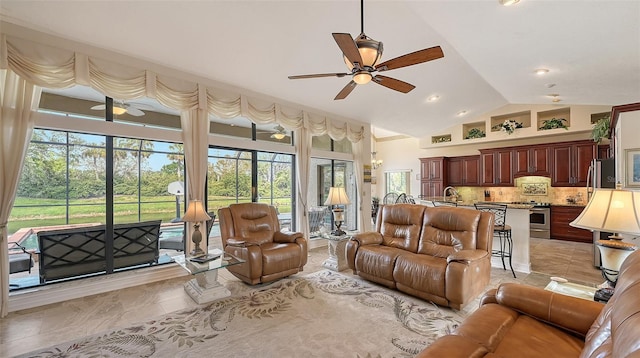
(470, 203)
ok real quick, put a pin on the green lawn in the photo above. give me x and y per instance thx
(32, 212)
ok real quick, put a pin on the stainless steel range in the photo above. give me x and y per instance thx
(539, 219)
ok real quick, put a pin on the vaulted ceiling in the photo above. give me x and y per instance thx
(591, 49)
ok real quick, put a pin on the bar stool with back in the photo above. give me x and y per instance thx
(500, 229)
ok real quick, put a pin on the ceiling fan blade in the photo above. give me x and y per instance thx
(413, 58)
(393, 83)
(297, 77)
(348, 47)
(99, 107)
(346, 90)
(134, 112)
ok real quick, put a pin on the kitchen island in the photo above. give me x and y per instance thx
(518, 219)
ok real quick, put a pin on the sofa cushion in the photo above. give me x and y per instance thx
(400, 225)
(376, 262)
(446, 230)
(421, 272)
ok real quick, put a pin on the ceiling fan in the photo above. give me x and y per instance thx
(121, 108)
(279, 133)
(362, 55)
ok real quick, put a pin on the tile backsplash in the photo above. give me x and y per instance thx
(531, 188)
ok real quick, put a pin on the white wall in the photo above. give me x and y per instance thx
(628, 130)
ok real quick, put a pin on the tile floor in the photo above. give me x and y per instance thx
(27, 330)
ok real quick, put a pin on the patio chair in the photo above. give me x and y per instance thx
(20, 260)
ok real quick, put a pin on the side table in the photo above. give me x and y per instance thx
(337, 260)
(205, 287)
(572, 289)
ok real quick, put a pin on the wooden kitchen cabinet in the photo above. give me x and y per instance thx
(571, 163)
(561, 216)
(431, 188)
(433, 175)
(534, 160)
(464, 170)
(432, 168)
(496, 168)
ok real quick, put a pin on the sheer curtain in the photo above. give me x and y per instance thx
(18, 102)
(195, 135)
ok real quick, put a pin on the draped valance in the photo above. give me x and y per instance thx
(51, 67)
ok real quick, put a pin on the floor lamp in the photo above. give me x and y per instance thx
(337, 196)
(617, 211)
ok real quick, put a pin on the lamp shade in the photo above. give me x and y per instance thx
(611, 210)
(195, 212)
(337, 196)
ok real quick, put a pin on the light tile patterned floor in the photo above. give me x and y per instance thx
(40, 327)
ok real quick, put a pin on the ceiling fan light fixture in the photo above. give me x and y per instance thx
(370, 51)
(508, 2)
(362, 77)
(119, 110)
(278, 136)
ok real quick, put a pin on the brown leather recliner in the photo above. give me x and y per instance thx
(251, 232)
(517, 320)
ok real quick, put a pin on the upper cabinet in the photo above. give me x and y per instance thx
(433, 175)
(533, 160)
(496, 167)
(432, 168)
(464, 170)
(571, 163)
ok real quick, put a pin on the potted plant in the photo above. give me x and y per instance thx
(509, 126)
(475, 133)
(554, 123)
(600, 130)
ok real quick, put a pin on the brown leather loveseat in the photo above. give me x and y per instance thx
(440, 254)
(523, 321)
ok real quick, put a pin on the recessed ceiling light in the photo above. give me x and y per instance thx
(541, 71)
(433, 98)
(462, 113)
(554, 97)
(508, 2)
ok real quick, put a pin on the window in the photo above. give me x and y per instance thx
(397, 181)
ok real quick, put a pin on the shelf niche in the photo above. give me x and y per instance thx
(523, 117)
(560, 113)
(441, 138)
(595, 117)
(475, 125)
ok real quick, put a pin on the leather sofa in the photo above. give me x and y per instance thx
(522, 321)
(439, 254)
(251, 232)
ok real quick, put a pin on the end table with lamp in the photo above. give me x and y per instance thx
(611, 210)
(337, 196)
(337, 260)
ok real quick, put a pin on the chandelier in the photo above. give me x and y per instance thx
(375, 163)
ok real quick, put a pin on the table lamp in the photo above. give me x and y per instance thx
(337, 196)
(617, 211)
(196, 214)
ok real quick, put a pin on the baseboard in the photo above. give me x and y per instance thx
(40, 296)
(518, 267)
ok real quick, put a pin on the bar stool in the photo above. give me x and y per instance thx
(502, 230)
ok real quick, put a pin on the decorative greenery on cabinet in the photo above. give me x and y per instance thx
(554, 123)
(600, 130)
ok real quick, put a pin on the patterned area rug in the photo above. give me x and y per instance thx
(324, 314)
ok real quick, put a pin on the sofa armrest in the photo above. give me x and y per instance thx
(467, 256)
(238, 242)
(285, 237)
(566, 312)
(489, 297)
(368, 238)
